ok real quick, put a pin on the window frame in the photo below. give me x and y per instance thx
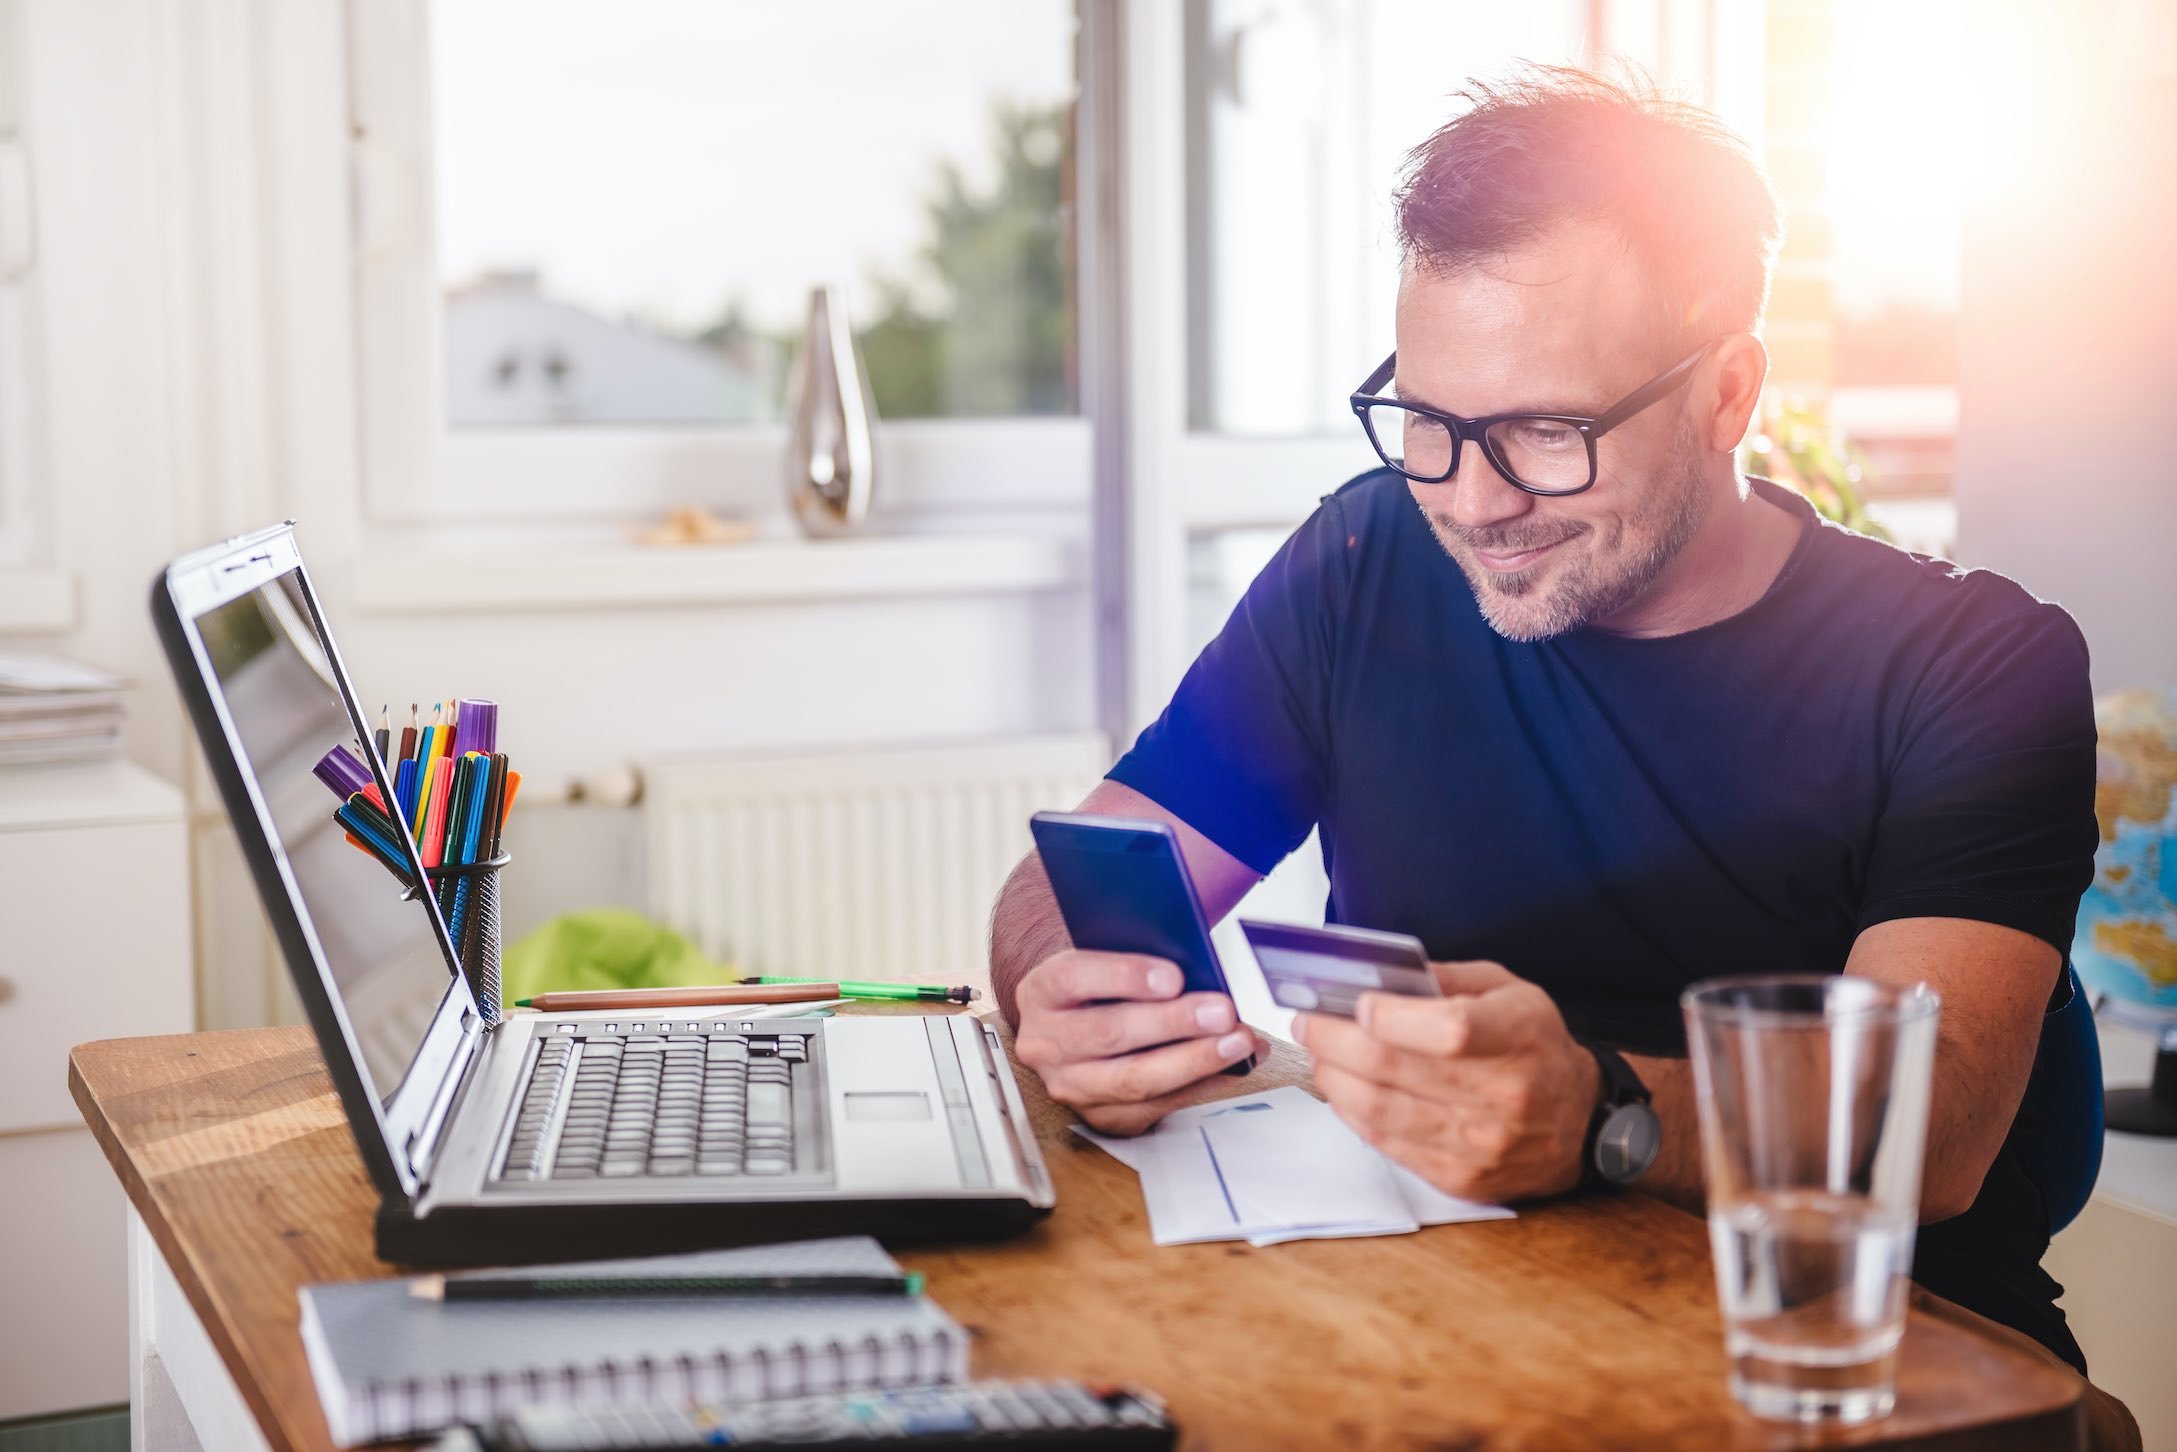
(20, 529)
(415, 469)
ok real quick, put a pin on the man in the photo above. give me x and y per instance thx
(1594, 717)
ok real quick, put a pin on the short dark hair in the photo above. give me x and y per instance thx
(1553, 144)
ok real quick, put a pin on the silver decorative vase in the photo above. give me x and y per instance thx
(830, 459)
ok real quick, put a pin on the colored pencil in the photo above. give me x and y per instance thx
(449, 853)
(361, 829)
(434, 825)
(495, 805)
(549, 1287)
(472, 825)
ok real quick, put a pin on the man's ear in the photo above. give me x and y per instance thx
(1740, 365)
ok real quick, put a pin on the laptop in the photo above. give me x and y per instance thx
(560, 1136)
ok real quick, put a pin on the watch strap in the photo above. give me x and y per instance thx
(1620, 1084)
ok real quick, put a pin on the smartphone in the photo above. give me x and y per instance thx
(1327, 969)
(1122, 887)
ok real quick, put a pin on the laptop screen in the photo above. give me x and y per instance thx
(382, 950)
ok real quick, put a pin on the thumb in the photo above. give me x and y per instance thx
(1475, 976)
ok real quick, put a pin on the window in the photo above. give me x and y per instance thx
(635, 198)
(1298, 119)
(1897, 123)
(18, 529)
(590, 231)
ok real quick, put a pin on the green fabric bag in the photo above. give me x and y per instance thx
(604, 948)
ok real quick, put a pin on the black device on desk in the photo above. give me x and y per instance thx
(539, 1137)
(1122, 887)
(998, 1416)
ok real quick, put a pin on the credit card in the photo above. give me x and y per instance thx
(1326, 970)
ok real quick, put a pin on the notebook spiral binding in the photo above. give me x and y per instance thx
(412, 1404)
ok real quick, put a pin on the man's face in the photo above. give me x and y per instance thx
(1557, 326)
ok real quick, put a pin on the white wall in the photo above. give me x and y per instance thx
(2067, 430)
(195, 354)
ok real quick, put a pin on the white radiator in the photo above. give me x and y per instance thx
(879, 863)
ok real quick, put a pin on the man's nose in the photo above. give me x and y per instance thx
(1481, 497)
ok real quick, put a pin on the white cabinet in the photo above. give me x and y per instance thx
(94, 944)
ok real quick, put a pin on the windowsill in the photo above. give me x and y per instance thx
(37, 602)
(760, 571)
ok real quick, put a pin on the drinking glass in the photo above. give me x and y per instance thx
(1812, 1093)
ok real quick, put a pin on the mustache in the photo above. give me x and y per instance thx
(1505, 541)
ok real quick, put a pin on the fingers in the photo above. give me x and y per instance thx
(1343, 1044)
(1391, 1119)
(1107, 1030)
(1133, 1119)
(1153, 1074)
(1112, 1036)
(1076, 977)
(1475, 976)
(1479, 1026)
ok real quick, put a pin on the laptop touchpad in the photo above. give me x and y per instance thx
(892, 1108)
(891, 1130)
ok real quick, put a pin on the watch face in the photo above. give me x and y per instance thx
(1628, 1143)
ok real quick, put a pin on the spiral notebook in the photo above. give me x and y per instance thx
(390, 1365)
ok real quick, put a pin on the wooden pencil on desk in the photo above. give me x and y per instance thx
(721, 994)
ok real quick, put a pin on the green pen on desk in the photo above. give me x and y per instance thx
(923, 992)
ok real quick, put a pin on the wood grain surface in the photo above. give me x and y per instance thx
(1581, 1325)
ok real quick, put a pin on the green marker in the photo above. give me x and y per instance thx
(922, 992)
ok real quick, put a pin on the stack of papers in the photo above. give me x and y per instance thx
(57, 710)
(1274, 1167)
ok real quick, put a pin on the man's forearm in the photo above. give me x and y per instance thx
(1677, 1175)
(1025, 929)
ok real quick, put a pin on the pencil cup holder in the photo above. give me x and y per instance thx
(468, 898)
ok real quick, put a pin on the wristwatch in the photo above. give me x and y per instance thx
(1624, 1135)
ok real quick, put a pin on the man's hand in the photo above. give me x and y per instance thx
(1088, 1024)
(1482, 1093)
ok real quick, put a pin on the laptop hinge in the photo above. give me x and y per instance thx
(423, 1144)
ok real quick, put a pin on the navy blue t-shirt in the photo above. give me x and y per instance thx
(1881, 735)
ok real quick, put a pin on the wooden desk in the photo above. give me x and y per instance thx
(1585, 1325)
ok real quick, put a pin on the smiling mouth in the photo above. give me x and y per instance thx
(1509, 562)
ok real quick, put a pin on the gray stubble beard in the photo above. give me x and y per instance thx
(1582, 598)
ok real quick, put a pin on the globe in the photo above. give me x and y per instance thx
(2126, 947)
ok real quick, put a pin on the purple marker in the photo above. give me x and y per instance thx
(342, 774)
(479, 726)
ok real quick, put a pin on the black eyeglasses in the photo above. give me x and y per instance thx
(1550, 454)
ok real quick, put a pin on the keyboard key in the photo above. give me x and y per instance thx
(767, 1104)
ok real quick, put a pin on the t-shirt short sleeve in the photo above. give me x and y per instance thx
(1242, 753)
(1990, 812)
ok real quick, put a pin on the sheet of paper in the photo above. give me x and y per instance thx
(1186, 1198)
(1432, 1206)
(1296, 1169)
(1273, 1167)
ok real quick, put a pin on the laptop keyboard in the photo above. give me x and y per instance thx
(711, 1101)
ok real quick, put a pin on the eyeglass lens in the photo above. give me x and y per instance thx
(1538, 452)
